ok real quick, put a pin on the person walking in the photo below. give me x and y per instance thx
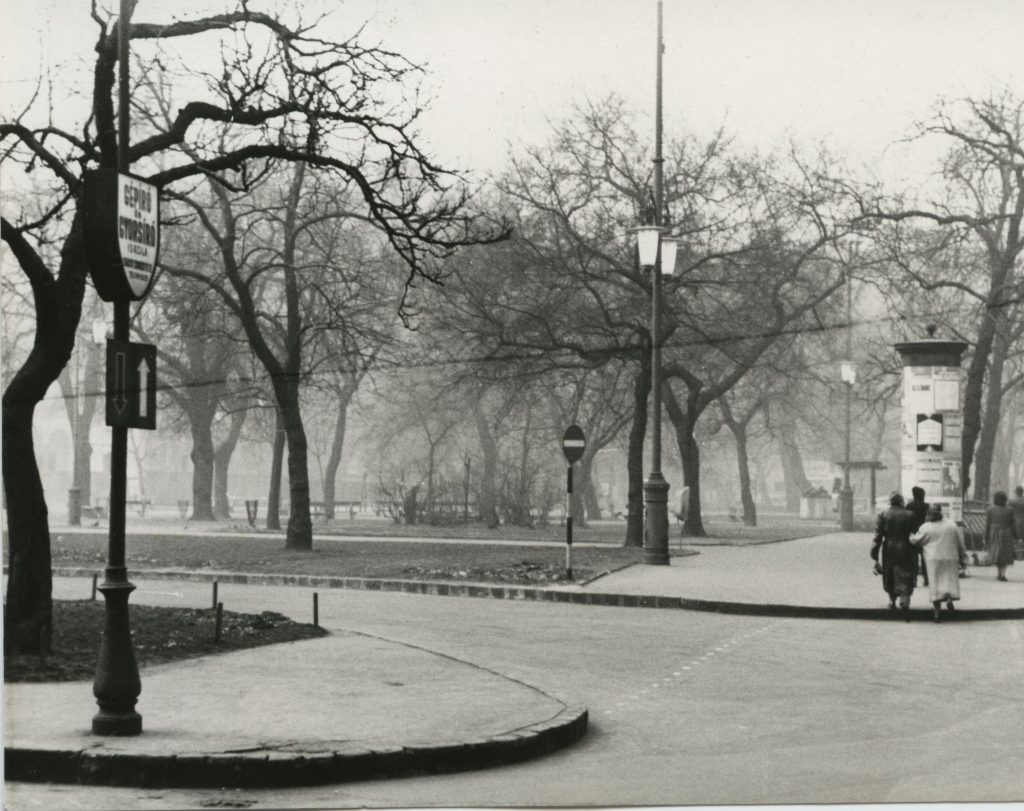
(1000, 534)
(942, 543)
(1016, 505)
(919, 508)
(895, 557)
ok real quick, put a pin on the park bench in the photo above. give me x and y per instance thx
(318, 509)
(974, 527)
(95, 513)
(140, 504)
(352, 506)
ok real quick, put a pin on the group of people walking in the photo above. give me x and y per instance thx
(907, 533)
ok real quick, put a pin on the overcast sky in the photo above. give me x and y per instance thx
(855, 73)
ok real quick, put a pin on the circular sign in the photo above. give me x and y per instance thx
(122, 232)
(573, 443)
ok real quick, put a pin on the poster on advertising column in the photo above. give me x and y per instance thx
(929, 432)
(951, 484)
(931, 436)
(946, 389)
(928, 472)
(918, 397)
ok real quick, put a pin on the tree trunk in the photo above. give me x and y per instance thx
(684, 424)
(81, 409)
(200, 420)
(990, 425)
(28, 609)
(299, 534)
(743, 466)
(635, 455)
(973, 391)
(330, 476)
(1003, 470)
(586, 499)
(1003, 450)
(488, 488)
(221, 464)
(793, 476)
(739, 433)
(429, 502)
(138, 449)
(276, 465)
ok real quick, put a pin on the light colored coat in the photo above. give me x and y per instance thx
(944, 555)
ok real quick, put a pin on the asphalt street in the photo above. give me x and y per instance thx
(686, 708)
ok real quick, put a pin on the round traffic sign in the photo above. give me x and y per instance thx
(573, 443)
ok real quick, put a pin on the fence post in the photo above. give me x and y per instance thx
(217, 626)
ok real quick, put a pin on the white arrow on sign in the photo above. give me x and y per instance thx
(143, 388)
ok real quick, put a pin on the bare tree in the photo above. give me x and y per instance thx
(976, 214)
(283, 92)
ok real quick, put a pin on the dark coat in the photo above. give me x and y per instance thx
(919, 509)
(894, 552)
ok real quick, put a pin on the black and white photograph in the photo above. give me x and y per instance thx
(485, 404)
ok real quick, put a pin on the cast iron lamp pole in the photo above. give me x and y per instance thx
(848, 374)
(659, 255)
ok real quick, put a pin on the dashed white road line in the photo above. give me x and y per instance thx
(722, 648)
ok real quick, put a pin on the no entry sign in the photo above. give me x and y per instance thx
(573, 443)
(122, 230)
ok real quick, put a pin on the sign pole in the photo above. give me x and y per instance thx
(573, 445)
(568, 523)
(117, 685)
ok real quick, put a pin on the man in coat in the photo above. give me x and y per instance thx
(919, 507)
(895, 557)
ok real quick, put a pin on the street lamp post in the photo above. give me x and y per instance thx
(659, 255)
(848, 374)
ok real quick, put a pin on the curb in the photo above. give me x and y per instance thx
(529, 593)
(276, 768)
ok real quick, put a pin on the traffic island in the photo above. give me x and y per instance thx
(342, 708)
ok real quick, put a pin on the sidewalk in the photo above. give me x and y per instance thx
(825, 576)
(269, 717)
(391, 710)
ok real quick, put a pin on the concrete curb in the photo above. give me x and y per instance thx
(276, 768)
(504, 592)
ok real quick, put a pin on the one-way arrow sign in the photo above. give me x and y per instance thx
(131, 385)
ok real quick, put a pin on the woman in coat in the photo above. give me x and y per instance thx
(1000, 533)
(895, 558)
(942, 542)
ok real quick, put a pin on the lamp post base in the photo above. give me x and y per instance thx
(656, 512)
(117, 684)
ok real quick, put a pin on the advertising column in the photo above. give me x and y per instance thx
(932, 422)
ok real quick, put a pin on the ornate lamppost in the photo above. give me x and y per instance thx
(658, 254)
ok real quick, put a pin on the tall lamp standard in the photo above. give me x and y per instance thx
(659, 255)
(848, 374)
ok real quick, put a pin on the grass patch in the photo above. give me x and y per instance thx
(159, 635)
(521, 564)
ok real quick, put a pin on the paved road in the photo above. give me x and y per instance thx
(686, 708)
